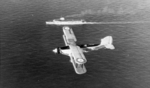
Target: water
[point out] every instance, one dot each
(26, 44)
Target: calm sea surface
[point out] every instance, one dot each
(27, 60)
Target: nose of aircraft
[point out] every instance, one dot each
(55, 50)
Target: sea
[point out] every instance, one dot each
(26, 44)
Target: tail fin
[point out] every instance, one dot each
(107, 42)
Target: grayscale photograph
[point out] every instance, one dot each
(74, 43)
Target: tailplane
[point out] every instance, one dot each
(107, 42)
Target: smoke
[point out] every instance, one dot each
(133, 22)
(115, 7)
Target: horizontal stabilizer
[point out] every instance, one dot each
(107, 42)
